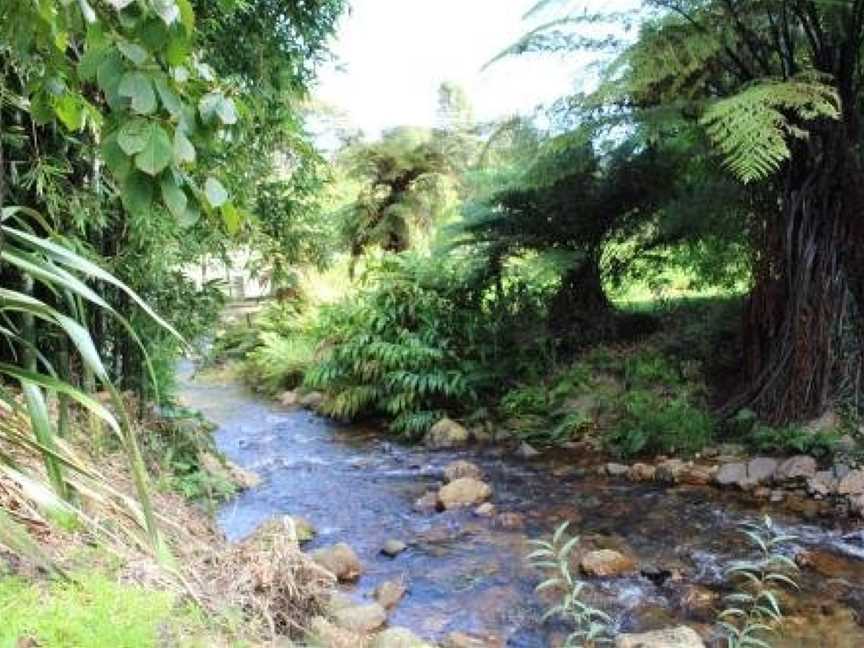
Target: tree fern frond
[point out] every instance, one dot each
(752, 129)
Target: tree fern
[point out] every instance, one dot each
(753, 128)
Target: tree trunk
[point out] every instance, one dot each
(581, 312)
(802, 326)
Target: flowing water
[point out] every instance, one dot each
(469, 574)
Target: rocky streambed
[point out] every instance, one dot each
(426, 543)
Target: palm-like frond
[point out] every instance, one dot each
(753, 128)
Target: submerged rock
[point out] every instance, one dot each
(446, 433)
(340, 560)
(607, 562)
(459, 469)
(361, 619)
(426, 504)
(510, 521)
(681, 637)
(389, 593)
(485, 510)
(463, 492)
(393, 548)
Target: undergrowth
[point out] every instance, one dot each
(93, 611)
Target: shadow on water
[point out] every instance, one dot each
(469, 574)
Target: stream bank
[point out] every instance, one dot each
(468, 574)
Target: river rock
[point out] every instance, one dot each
(361, 619)
(312, 400)
(799, 468)
(389, 593)
(731, 474)
(485, 510)
(510, 521)
(697, 475)
(463, 492)
(458, 469)
(856, 505)
(446, 433)
(324, 634)
(760, 470)
(398, 638)
(607, 562)
(426, 504)
(640, 472)
(681, 637)
(699, 602)
(670, 471)
(822, 484)
(340, 560)
(393, 548)
(527, 451)
(279, 527)
(852, 484)
(616, 469)
(289, 399)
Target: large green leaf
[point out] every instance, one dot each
(184, 151)
(133, 135)
(61, 387)
(157, 152)
(174, 197)
(138, 87)
(170, 100)
(215, 192)
(215, 105)
(137, 195)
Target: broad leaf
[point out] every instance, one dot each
(174, 197)
(157, 152)
(139, 88)
(215, 192)
(133, 136)
(184, 151)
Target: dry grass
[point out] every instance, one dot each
(266, 580)
(272, 581)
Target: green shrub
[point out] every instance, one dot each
(279, 363)
(652, 424)
(424, 337)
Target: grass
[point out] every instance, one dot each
(94, 610)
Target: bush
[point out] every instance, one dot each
(425, 337)
(279, 363)
(652, 424)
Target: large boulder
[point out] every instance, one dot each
(459, 469)
(340, 560)
(640, 472)
(228, 471)
(398, 638)
(463, 492)
(731, 474)
(446, 433)
(681, 637)
(852, 484)
(798, 468)
(616, 469)
(361, 619)
(607, 562)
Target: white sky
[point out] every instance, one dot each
(396, 53)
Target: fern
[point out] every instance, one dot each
(752, 129)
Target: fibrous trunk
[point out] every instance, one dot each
(802, 325)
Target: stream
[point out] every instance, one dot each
(469, 574)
